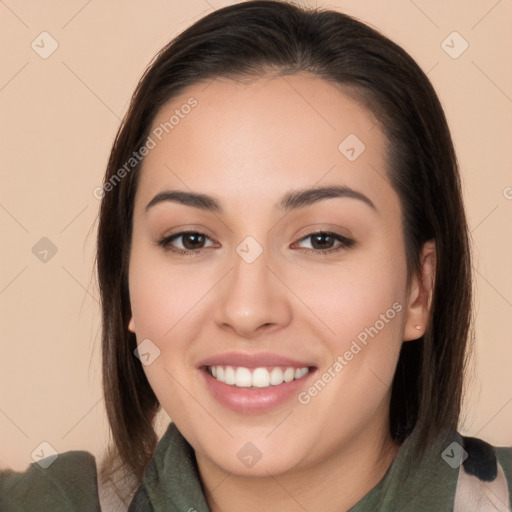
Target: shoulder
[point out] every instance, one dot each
(65, 483)
(485, 477)
(504, 455)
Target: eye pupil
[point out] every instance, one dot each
(319, 237)
(197, 240)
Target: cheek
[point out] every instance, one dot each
(351, 300)
(165, 305)
(170, 303)
(164, 296)
(364, 310)
(362, 307)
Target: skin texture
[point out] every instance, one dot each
(247, 143)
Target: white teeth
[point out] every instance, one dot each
(243, 377)
(289, 375)
(257, 377)
(300, 372)
(276, 376)
(261, 378)
(229, 375)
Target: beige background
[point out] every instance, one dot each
(58, 119)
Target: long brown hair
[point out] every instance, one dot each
(252, 39)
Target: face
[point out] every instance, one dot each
(280, 313)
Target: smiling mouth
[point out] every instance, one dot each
(262, 377)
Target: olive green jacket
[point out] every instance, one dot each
(437, 483)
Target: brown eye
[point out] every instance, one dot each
(325, 242)
(322, 241)
(191, 241)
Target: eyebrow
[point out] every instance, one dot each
(290, 201)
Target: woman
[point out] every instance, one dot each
(284, 268)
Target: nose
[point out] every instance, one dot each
(252, 299)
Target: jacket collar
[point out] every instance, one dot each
(171, 480)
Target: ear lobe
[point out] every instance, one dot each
(420, 296)
(131, 325)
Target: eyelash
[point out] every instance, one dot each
(345, 243)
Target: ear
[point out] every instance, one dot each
(420, 294)
(131, 324)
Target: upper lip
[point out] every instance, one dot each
(252, 360)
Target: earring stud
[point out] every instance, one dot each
(418, 327)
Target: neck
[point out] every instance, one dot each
(334, 484)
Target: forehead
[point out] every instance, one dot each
(252, 140)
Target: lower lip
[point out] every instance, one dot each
(254, 400)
